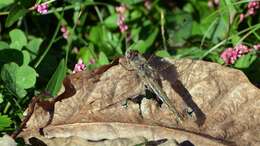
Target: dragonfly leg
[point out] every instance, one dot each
(138, 99)
(149, 94)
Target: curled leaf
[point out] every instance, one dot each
(220, 104)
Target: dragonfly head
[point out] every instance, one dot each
(132, 55)
(135, 58)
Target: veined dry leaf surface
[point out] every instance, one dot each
(221, 107)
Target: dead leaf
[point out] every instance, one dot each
(223, 108)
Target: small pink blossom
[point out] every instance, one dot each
(253, 4)
(42, 8)
(251, 11)
(230, 55)
(216, 2)
(256, 47)
(121, 9)
(80, 66)
(241, 49)
(252, 7)
(147, 4)
(213, 3)
(241, 17)
(92, 61)
(65, 32)
(121, 18)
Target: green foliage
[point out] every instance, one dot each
(245, 61)
(16, 12)
(18, 78)
(5, 122)
(33, 46)
(179, 28)
(110, 21)
(102, 59)
(55, 82)
(162, 53)
(18, 39)
(3, 45)
(4, 3)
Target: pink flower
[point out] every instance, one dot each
(92, 61)
(241, 49)
(252, 7)
(65, 32)
(147, 4)
(121, 9)
(121, 18)
(241, 17)
(230, 55)
(213, 3)
(256, 47)
(80, 66)
(253, 4)
(42, 8)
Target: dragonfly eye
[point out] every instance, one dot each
(131, 55)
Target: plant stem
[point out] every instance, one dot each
(6, 107)
(99, 14)
(49, 46)
(163, 30)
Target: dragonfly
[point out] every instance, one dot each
(148, 75)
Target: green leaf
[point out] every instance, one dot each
(26, 57)
(135, 33)
(204, 20)
(193, 52)
(137, 46)
(215, 57)
(143, 45)
(5, 122)
(55, 83)
(245, 61)
(15, 14)
(18, 39)
(3, 45)
(220, 30)
(9, 77)
(18, 78)
(102, 37)
(102, 59)
(96, 34)
(136, 14)
(26, 77)
(162, 53)
(111, 21)
(87, 53)
(34, 45)
(4, 3)
(179, 28)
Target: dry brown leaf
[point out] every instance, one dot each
(226, 108)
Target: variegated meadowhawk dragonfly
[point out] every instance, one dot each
(148, 75)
